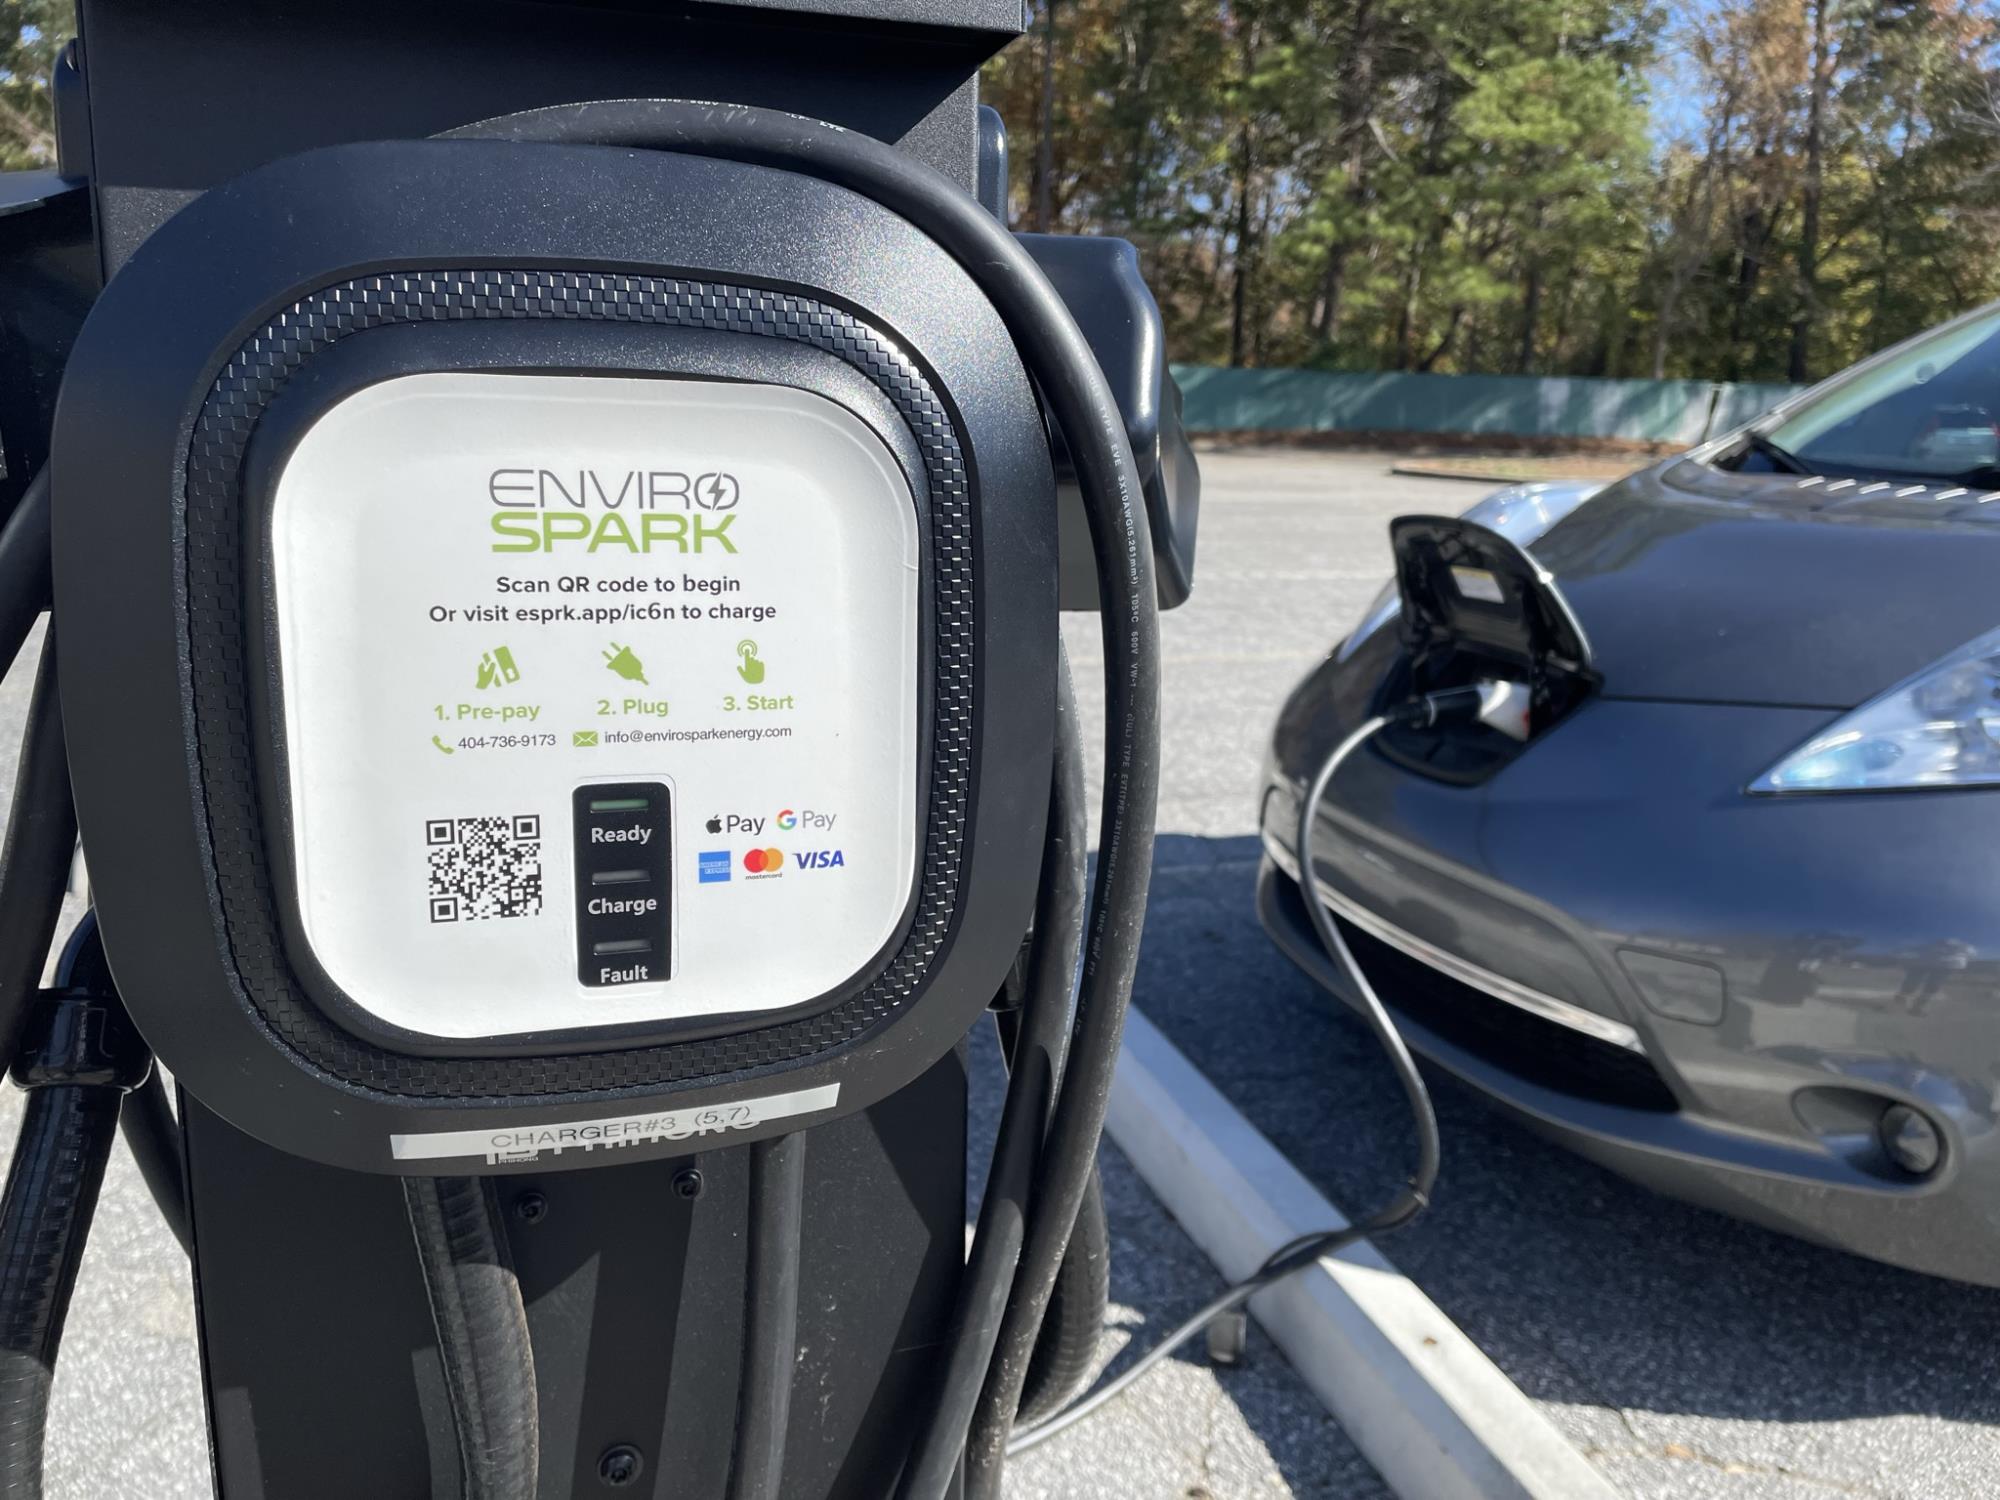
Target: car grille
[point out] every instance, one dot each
(1525, 1045)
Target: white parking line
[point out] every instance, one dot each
(1434, 1415)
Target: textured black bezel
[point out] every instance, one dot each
(222, 511)
(500, 345)
(238, 295)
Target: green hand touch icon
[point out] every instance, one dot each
(752, 670)
(621, 660)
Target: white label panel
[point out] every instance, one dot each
(492, 590)
(608, 1133)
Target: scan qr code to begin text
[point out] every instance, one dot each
(484, 867)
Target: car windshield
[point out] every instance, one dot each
(1927, 411)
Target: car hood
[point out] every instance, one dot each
(1700, 585)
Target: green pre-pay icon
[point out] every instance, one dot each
(496, 668)
(621, 660)
(751, 670)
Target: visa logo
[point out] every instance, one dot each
(821, 859)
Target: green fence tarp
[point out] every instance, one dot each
(1659, 411)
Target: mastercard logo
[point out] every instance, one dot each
(764, 861)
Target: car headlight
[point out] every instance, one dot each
(1939, 728)
(1522, 513)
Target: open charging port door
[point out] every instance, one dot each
(1475, 605)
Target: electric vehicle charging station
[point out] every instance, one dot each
(555, 669)
(555, 594)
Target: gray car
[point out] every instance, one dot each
(1730, 925)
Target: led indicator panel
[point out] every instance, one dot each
(623, 842)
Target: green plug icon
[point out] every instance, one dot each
(621, 660)
(752, 670)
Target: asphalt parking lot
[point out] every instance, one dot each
(1686, 1354)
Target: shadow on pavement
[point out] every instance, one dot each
(1287, 1444)
(1585, 1289)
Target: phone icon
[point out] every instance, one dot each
(442, 745)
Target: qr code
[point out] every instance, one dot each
(484, 867)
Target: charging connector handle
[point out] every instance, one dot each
(1433, 708)
(1496, 702)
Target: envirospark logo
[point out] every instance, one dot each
(630, 510)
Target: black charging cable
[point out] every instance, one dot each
(27, 585)
(482, 1327)
(36, 856)
(40, 843)
(1415, 1195)
(73, 1050)
(1035, 1063)
(146, 1121)
(770, 1318)
(1065, 1349)
(1066, 373)
(79, 1057)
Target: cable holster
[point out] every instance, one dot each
(80, 1037)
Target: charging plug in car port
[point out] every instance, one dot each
(1477, 608)
(1885, 1138)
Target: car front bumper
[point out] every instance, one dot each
(1713, 994)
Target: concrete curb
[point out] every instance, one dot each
(1421, 470)
(1435, 1416)
(1427, 471)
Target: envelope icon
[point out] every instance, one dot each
(584, 739)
